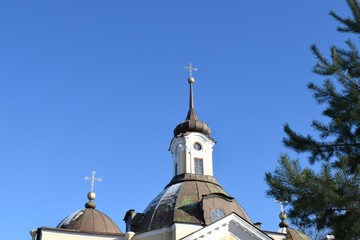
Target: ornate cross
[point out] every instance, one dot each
(93, 179)
(281, 204)
(190, 68)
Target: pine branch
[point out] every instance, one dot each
(350, 24)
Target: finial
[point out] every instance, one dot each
(191, 69)
(91, 195)
(93, 179)
(282, 215)
(191, 80)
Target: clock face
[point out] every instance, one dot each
(216, 214)
(197, 146)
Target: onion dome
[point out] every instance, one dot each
(192, 123)
(192, 199)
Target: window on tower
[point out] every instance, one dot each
(197, 146)
(199, 168)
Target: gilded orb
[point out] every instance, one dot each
(191, 80)
(282, 216)
(91, 195)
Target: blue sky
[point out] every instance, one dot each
(100, 85)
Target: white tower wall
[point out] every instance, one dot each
(188, 149)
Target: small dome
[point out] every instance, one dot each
(293, 234)
(189, 198)
(89, 220)
(192, 124)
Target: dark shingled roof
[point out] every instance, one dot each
(188, 198)
(89, 220)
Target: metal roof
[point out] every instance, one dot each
(188, 198)
(89, 220)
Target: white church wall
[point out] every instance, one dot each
(176, 231)
(56, 234)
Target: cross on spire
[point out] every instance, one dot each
(281, 204)
(93, 179)
(190, 68)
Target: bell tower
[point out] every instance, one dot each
(192, 145)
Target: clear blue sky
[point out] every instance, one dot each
(100, 85)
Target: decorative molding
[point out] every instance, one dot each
(232, 225)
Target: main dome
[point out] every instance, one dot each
(189, 198)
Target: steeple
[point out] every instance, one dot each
(192, 123)
(193, 198)
(192, 145)
(191, 113)
(191, 80)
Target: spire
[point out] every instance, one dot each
(91, 195)
(191, 80)
(192, 122)
(191, 114)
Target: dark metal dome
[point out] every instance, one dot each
(192, 124)
(89, 220)
(188, 198)
(293, 234)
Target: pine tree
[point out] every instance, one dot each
(329, 198)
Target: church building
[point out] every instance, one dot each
(192, 206)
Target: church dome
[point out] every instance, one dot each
(293, 234)
(89, 220)
(191, 199)
(192, 124)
